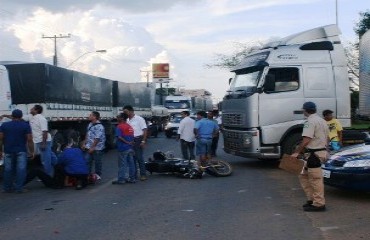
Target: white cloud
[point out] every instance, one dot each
(186, 33)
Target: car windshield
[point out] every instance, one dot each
(179, 104)
(176, 119)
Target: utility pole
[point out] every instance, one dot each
(146, 75)
(55, 58)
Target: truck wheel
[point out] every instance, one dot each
(291, 143)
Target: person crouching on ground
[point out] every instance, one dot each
(125, 142)
(71, 163)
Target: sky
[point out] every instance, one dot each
(187, 34)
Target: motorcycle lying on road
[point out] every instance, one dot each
(167, 163)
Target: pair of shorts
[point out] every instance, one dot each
(203, 146)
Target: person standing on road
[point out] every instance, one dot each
(314, 145)
(215, 139)
(41, 137)
(15, 135)
(204, 131)
(140, 134)
(186, 136)
(125, 142)
(94, 143)
(335, 130)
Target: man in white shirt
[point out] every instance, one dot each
(140, 134)
(41, 137)
(186, 136)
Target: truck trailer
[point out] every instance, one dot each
(69, 96)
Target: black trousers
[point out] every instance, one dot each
(58, 180)
(214, 145)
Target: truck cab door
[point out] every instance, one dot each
(280, 101)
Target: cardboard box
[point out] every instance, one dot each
(291, 164)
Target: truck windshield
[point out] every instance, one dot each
(177, 104)
(245, 79)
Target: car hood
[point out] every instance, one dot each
(173, 125)
(350, 153)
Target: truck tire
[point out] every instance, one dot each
(291, 143)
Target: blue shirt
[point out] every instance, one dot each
(95, 131)
(73, 161)
(206, 128)
(15, 136)
(125, 131)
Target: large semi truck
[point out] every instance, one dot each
(69, 96)
(261, 112)
(364, 101)
(178, 103)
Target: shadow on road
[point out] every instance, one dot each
(253, 163)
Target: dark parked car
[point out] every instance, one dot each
(349, 168)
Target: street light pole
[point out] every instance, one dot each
(97, 51)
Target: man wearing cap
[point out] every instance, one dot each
(15, 135)
(314, 145)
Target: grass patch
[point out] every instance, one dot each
(360, 124)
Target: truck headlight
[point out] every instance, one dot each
(247, 140)
(357, 164)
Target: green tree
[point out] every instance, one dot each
(165, 91)
(364, 24)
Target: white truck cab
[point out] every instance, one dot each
(177, 104)
(262, 115)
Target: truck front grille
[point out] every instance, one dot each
(232, 140)
(232, 119)
(233, 145)
(232, 135)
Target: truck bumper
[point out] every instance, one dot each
(247, 144)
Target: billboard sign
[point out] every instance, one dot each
(161, 70)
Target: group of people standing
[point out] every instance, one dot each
(26, 137)
(201, 134)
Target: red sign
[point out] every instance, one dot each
(161, 70)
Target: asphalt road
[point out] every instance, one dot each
(258, 201)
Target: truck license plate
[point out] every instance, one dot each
(326, 173)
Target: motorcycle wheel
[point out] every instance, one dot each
(219, 168)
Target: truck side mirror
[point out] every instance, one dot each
(269, 85)
(230, 79)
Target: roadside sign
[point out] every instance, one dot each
(161, 70)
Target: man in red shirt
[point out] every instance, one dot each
(125, 142)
